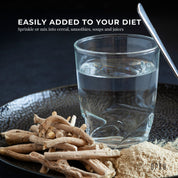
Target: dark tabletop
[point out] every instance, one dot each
(35, 61)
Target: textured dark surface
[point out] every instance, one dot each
(64, 100)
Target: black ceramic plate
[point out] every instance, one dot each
(64, 100)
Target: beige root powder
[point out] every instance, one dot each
(146, 160)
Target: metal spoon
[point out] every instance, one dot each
(154, 34)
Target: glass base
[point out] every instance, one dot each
(117, 142)
(116, 134)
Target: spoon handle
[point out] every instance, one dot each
(154, 34)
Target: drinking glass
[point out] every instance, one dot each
(117, 77)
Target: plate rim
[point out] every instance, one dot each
(45, 90)
(167, 85)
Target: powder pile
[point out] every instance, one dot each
(173, 146)
(146, 160)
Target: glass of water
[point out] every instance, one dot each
(117, 77)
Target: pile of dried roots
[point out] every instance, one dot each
(55, 140)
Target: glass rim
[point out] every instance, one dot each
(86, 51)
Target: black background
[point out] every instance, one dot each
(35, 61)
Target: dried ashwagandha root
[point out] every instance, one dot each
(37, 140)
(16, 136)
(37, 119)
(45, 169)
(58, 140)
(15, 155)
(80, 155)
(63, 167)
(66, 147)
(76, 131)
(83, 127)
(70, 140)
(73, 120)
(23, 148)
(98, 167)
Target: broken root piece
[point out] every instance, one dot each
(24, 148)
(71, 140)
(73, 120)
(34, 128)
(99, 167)
(16, 136)
(18, 156)
(37, 119)
(44, 169)
(66, 146)
(37, 140)
(83, 127)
